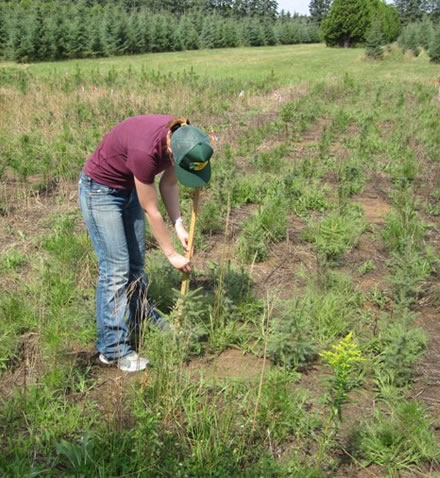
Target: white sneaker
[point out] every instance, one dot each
(130, 363)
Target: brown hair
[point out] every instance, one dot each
(176, 123)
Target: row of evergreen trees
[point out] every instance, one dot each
(423, 34)
(224, 8)
(411, 11)
(54, 31)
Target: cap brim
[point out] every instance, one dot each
(195, 179)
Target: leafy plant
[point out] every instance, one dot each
(12, 260)
(247, 189)
(366, 267)
(290, 342)
(267, 226)
(300, 114)
(403, 226)
(271, 161)
(336, 233)
(351, 181)
(400, 349)
(164, 279)
(344, 360)
(283, 410)
(378, 297)
(304, 195)
(210, 219)
(77, 457)
(401, 439)
(410, 269)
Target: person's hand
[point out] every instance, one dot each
(182, 235)
(180, 262)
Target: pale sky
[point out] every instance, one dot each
(299, 6)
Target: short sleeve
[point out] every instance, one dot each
(141, 165)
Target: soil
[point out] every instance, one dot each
(375, 209)
(230, 364)
(26, 369)
(427, 385)
(281, 274)
(25, 217)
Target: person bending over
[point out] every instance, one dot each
(116, 188)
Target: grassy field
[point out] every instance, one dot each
(309, 342)
(307, 63)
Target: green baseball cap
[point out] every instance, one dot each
(192, 152)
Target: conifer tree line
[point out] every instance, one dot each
(424, 34)
(38, 30)
(416, 10)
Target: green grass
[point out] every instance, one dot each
(293, 64)
(286, 258)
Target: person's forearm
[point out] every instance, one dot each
(170, 197)
(160, 233)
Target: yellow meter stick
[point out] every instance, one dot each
(192, 229)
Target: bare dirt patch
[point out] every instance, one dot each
(221, 248)
(313, 133)
(352, 471)
(282, 274)
(29, 211)
(230, 364)
(369, 248)
(375, 209)
(26, 369)
(111, 391)
(427, 386)
(107, 387)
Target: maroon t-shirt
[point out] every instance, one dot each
(134, 148)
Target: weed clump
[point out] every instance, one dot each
(305, 325)
(304, 195)
(404, 234)
(399, 438)
(271, 161)
(299, 115)
(247, 189)
(336, 233)
(266, 227)
(278, 399)
(290, 343)
(398, 350)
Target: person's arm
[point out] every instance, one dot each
(170, 196)
(148, 199)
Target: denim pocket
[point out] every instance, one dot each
(97, 189)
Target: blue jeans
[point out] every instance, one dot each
(116, 224)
